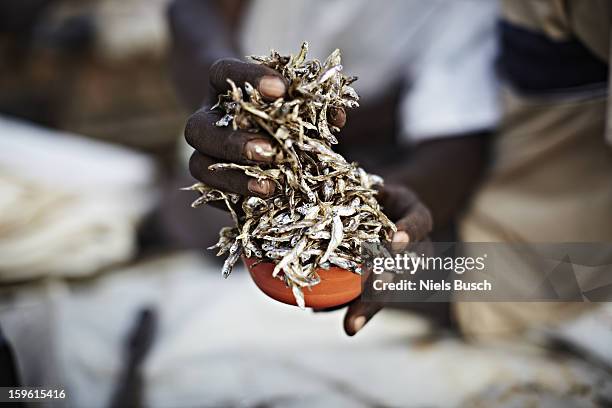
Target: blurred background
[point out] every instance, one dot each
(95, 68)
(103, 295)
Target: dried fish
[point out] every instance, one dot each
(324, 207)
(337, 233)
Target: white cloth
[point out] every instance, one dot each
(68, 206)
(443, 49)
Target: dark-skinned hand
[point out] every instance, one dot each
(215, 144)
(413, 221)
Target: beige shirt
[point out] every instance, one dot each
(589, 21)
(551, 177)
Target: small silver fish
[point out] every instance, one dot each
(324, 208)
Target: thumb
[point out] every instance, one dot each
(359, 314)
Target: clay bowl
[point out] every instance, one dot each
(337, 287)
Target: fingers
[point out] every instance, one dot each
(358, 315)
(417, 224)
(337, 117)
(400, 240)
(412, 218)
(225, 143)
(215, 144)
(234, 181)
(267, 81)
(270, 84)
(396, 200)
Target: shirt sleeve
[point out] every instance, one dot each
(453, 82)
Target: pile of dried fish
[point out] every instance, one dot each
(324, 207)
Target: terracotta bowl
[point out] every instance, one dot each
(337, 287)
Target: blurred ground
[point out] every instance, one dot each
(223, 343)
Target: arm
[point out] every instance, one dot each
(450, 107)
(443, 172)
(202, 32)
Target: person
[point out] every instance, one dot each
(550, 177)
(427, 86)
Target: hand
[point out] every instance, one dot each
(215, 144)
(414, 223)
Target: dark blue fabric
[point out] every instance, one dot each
(532, 62)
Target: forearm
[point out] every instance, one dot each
(443, 173)
(202, 31)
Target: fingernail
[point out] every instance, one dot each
(400, 240)
(337, 117)
(358, 323)
(263, 187)
(259, 150)
(401, 236)
(271, 87)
